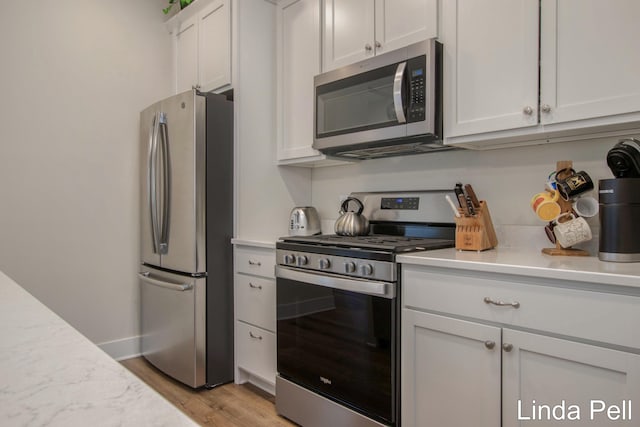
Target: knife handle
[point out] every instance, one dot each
(472, 195)
(463, 204)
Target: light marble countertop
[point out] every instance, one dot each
(529, 261)
(51, 375)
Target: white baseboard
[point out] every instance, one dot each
(125, 348)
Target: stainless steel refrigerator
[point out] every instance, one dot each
(186, 219)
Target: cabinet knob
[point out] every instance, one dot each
(252, 286)
(378, 44)
(255, 263)
(545, 108)
(528, 110)
(257, 337)
(490, 344)
(368, 47)
(507, 347)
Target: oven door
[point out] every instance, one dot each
(338, 337)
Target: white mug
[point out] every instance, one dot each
(571, 232)
(585, 206)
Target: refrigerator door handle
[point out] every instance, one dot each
(173, 286)
(166, 185)
(152, 191)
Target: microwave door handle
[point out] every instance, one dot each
(397, 92)
(152, 194)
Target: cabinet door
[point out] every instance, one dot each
(298, 61)
(490, 65)
(214, 46)
(402, 22)
(450, 372)
(348, 32)
(589, 59)
(187, 55)
(539, 370)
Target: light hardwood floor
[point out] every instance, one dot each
(229, 405)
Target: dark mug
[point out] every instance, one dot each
(574, 185)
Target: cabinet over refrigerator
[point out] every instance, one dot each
(186, 225)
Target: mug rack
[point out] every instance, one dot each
(563, 170)
(475, 233)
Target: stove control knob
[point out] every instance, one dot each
(324, 263)
(290, 259)
(301, 260)
(366, 269)
(350, 267)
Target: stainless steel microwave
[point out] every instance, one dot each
(387, 105)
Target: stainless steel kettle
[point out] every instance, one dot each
(351, 223)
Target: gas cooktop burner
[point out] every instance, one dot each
(375, 241)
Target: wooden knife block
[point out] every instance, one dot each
(476, 233)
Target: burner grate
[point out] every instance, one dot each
(379, 242)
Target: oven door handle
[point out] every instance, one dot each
(369, 287)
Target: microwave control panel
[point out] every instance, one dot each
(417, 91)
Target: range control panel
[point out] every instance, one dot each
(406, 203)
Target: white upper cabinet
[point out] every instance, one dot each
(358, 29)
(524, 71)
(400, 23)
(490, 65)
(214, 47)
(202, 42)
(186, 39)
(589, 59)
(299, 58)
(298, 63)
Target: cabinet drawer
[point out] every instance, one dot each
(256, 301)
(256, 349)
(581, 313)
(257, 261)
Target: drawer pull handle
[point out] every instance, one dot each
(507, 347)
(252, 286)
(490, 344)
(257, 337)
(514, 304)
(256, 263)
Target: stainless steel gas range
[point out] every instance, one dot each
(338, 311)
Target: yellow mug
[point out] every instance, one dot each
(545, 205)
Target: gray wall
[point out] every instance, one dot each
(75, 75)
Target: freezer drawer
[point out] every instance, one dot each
(173, 323)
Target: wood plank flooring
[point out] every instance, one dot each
(230, 405)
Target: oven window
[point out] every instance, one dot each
(339, 344)
(361, 102)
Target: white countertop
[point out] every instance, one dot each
(529, 261)
(51, 375)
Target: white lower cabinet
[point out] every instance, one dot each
(255, 314)
(256, 351)
(479, 368)
(449, 376)
(575, 381)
